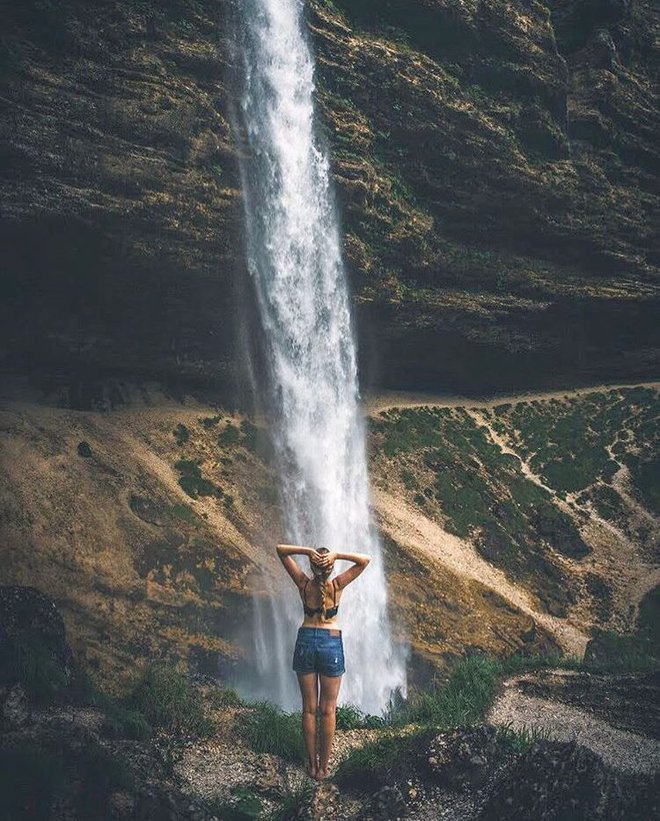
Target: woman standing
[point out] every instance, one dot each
(318, 657)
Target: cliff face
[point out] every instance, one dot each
(121, 201)
(495, 165)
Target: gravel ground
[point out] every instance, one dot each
(621, 749)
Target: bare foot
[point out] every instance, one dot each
(322, 774)
(312, 770)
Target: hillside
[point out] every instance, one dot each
(148, 524)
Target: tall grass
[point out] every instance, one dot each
(270, 730)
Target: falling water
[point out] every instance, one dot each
(294, 257)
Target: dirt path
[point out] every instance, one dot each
(386, 400)
(414, 531)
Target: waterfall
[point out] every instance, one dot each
(295, 262)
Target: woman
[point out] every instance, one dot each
(318, 658)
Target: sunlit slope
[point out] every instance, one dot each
(557, 497)
(511, 526)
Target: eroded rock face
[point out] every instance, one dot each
(495, 166)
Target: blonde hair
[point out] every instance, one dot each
(321, 579)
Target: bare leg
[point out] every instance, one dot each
(309, 685)
(329, 692)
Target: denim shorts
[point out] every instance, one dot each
(318, 651)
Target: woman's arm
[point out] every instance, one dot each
(295, 550)
(360, 562)
(286, 551)
(356, 558)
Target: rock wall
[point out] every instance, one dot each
(495, 164)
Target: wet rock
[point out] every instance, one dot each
(387, 804)
(14, 708)
(463, 758)
(555, 780)
(26, 612)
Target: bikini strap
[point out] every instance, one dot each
(334, 592)
(304, 592)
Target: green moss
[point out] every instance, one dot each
(185, 513)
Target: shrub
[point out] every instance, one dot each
(124, 722)
(229, 436)
(192, 481)
(470, 690)
(168, 700)
(224, 697)
(181, 434)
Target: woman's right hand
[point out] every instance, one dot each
(316, 558)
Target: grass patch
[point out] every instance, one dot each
(350, 718)
(221, 697)
(270, 730)
(469, 691)
(519, 740)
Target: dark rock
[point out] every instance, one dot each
(387, 804)
(84, 449)
(464, 758)
(14, 708)
(26, 609)
(565, 782)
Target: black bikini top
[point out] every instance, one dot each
(313, 611)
